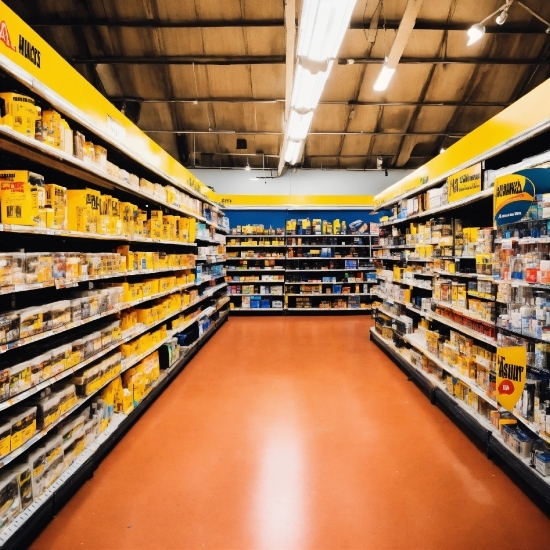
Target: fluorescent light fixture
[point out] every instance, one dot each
(292, 152)
(383, 79)
(298, 125)
(308, 88)
(475, 32)
(322, 28)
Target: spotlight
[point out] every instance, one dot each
(475, 32)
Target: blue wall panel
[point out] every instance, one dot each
(277, 218)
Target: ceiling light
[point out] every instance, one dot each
(308, 88)
(298, 125)
(475, 32)
(292, 152)
(322, 28)
(247, 167)
(501, 18)
(384, 78)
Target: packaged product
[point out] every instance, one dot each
(79, 141)
(59, 265)
(89, 203)
(47, 410)
(9, 327)
(5, 270)
(67, 397)
(46, 317)
(23, 424)
(85, 311)
(20, 377)
(38, 267)
(73, 262)
(55, 132)
(95, 338)
(31, 321)
(68, 428)
(21, 195)
(41, 368)
(36, 460)
(24, 481)
(56, 199)
(60, 313)
(54, 462)
(76, 310)
(79, 348)
(18, 112)
(10, 504)
(5, 437)
(18, 268)
(59, 357)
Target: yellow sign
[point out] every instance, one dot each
(359, 201)
(464, 183)
(530, 111)
(513, 195)
(511, 375)
(26, 49)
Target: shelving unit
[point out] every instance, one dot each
(302, 273)
(254, 252)
(179, 294)
(454, 303)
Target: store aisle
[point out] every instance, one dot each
(296, 433)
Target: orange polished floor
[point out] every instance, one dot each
(296, 433)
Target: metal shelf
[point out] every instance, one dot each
(256, 282)
(259, 294)
(315, 258)
(328, 270)
(321, 295)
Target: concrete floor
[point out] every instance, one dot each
(296, 433)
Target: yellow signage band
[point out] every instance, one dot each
(525, 118)
(283, 201)
(33, 62)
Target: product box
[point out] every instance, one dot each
(83, 210)
(22, 195)
(18, 112)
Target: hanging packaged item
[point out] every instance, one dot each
(22, 195)
(18, 112)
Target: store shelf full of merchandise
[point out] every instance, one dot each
(285, 282)
(443, 317)
(110, 324)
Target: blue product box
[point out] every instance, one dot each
(337, 289)
(265, 304)
(254, 304)
(371, 276)
(351, 264)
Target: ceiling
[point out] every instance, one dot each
(215, 70)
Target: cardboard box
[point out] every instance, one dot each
(22, 195)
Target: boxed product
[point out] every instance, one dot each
(56, 199)
(21, 195)
(18, 112)
(10, 504)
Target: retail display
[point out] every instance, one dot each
(325, 266)
(111, 285)
(453, 291)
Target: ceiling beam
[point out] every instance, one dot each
(351, 102)
(257, 133)
(156, 24)
(182, 60)
(448, 61)
(424, 25)
(280, 59)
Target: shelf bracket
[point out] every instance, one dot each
(433, 396)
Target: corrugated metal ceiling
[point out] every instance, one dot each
(215, 70)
